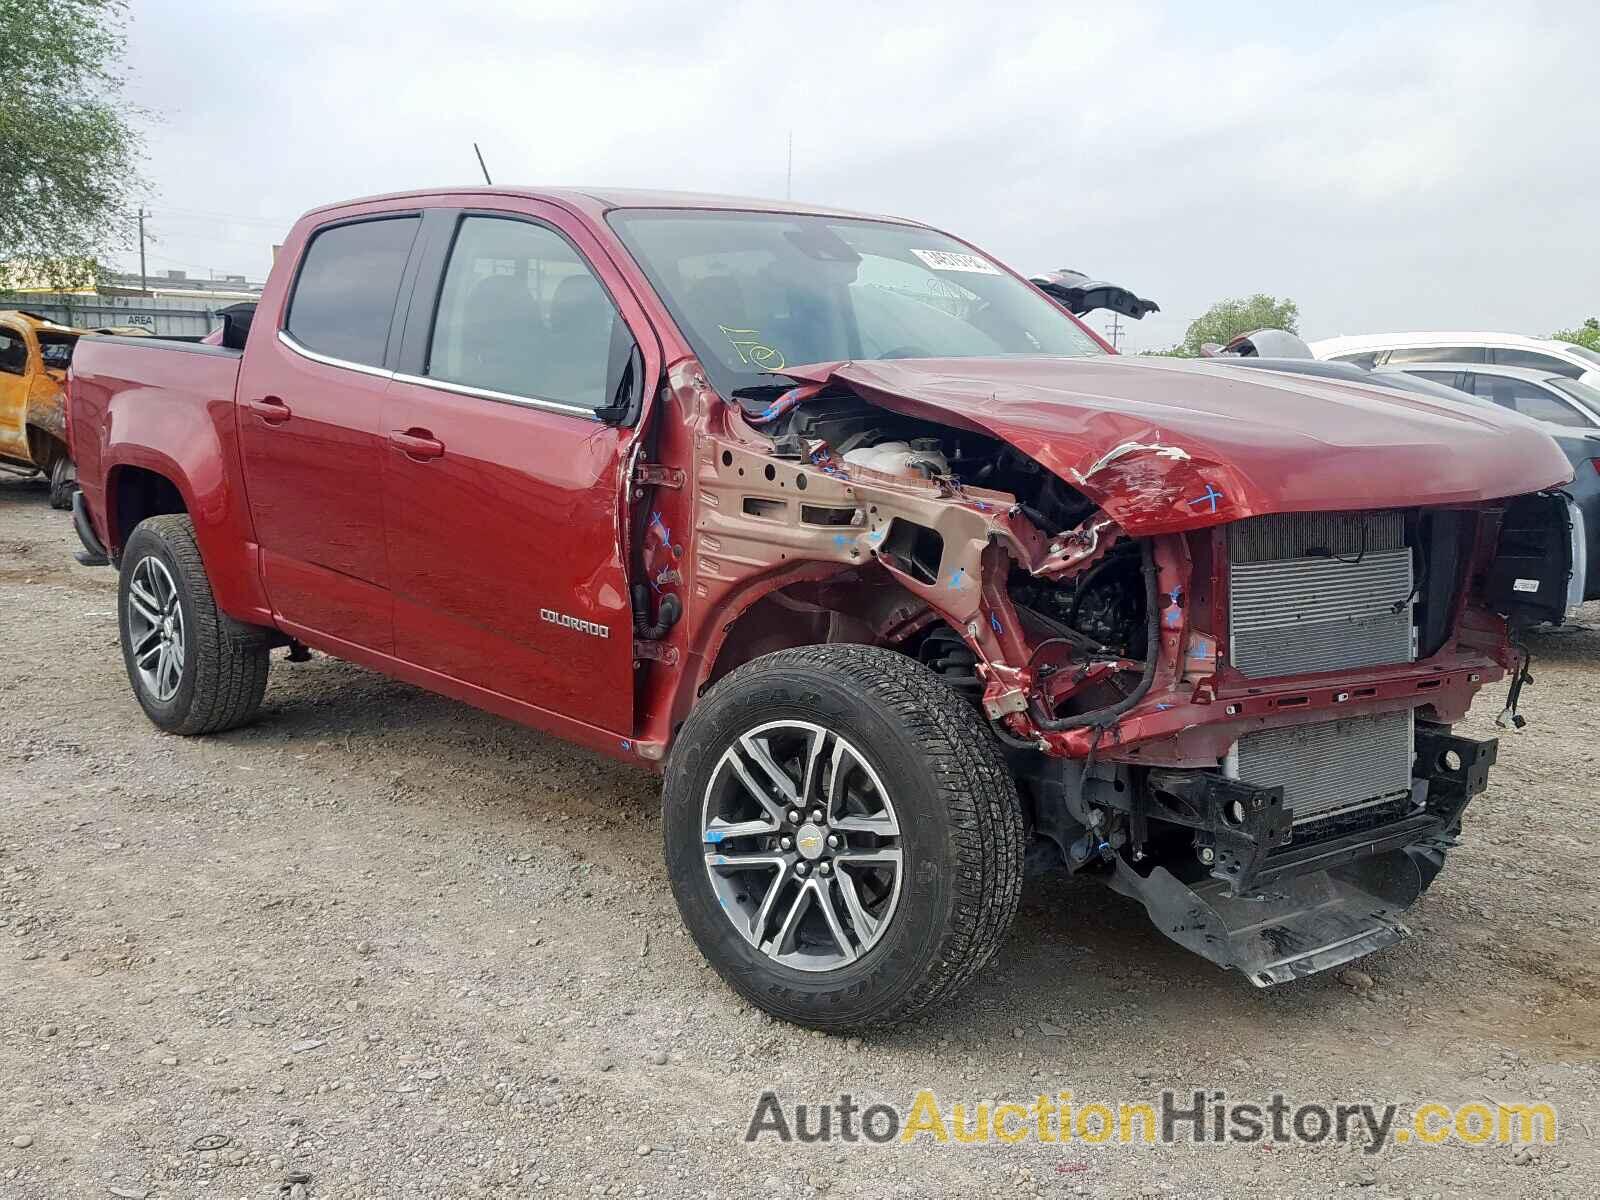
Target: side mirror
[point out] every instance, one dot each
(624, 377)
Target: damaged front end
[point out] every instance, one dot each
(1225, 674)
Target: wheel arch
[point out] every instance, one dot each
(810, 605)
(143, 482)
(45, 445)
(134, 493)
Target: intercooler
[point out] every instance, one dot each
(1331, 767)
(1319, 592)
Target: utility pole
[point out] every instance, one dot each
(144, 284)
(788, 177)
(1114, 331)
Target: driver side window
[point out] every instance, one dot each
(520, 313)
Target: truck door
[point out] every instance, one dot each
(502, 475)
(13, 392)
(311, 430)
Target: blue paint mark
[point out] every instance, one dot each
(1172, 618)
(626, 744)
(875, 536)
(1211, 497)
(994, 623)
(955, 580)
(839, 539)
(658, 523)
(1163, 707)
(714, 836)
(779, 406)
(1176, 595)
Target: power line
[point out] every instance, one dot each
(1114, 332)
(282, 223)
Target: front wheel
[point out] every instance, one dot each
(193, 669)
(842, 835)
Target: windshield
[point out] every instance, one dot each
(1588, 397)
(757, 292)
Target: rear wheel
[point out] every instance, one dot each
(193, 669)
(842, 835)
(63, 481)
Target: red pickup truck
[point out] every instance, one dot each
(900, 577)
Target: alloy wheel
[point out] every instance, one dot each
(155, 628)
(802, 845)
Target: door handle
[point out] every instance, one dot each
(270, 409)
(417, 444)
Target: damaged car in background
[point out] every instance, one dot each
(34, 354)
(900, 577)
(1080, 295)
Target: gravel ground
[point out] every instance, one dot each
(415, 951)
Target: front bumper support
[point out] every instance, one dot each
(1277, 910)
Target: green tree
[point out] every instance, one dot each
(1588, 334)
(1227, 319)
(69, 155)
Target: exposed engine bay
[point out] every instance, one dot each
(1242, 721)
(1100, 610)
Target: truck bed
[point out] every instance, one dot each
(153, 386)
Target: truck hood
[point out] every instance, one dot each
(1167, 444)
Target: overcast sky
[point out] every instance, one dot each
(1387, 166)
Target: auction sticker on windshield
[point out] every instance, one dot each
(948, 260)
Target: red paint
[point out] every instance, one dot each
(460, 543)
(1278, 443)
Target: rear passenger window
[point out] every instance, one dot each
(521, 313)
(13, 354)
(349, 281)
(1538, 362)
(1439, 354)
(1529, 399)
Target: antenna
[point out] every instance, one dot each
(481, 167)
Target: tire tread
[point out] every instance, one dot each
(971, 780)
(231, 660)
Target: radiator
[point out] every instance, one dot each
(1319, 592)
(1332, 767)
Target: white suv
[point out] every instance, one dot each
(1495, 349)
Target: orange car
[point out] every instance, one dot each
(34, 353)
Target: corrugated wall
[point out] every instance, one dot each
(168, 317)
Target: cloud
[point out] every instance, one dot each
(1386, 166)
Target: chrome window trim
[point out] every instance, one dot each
(329, 360)
(462, 389)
